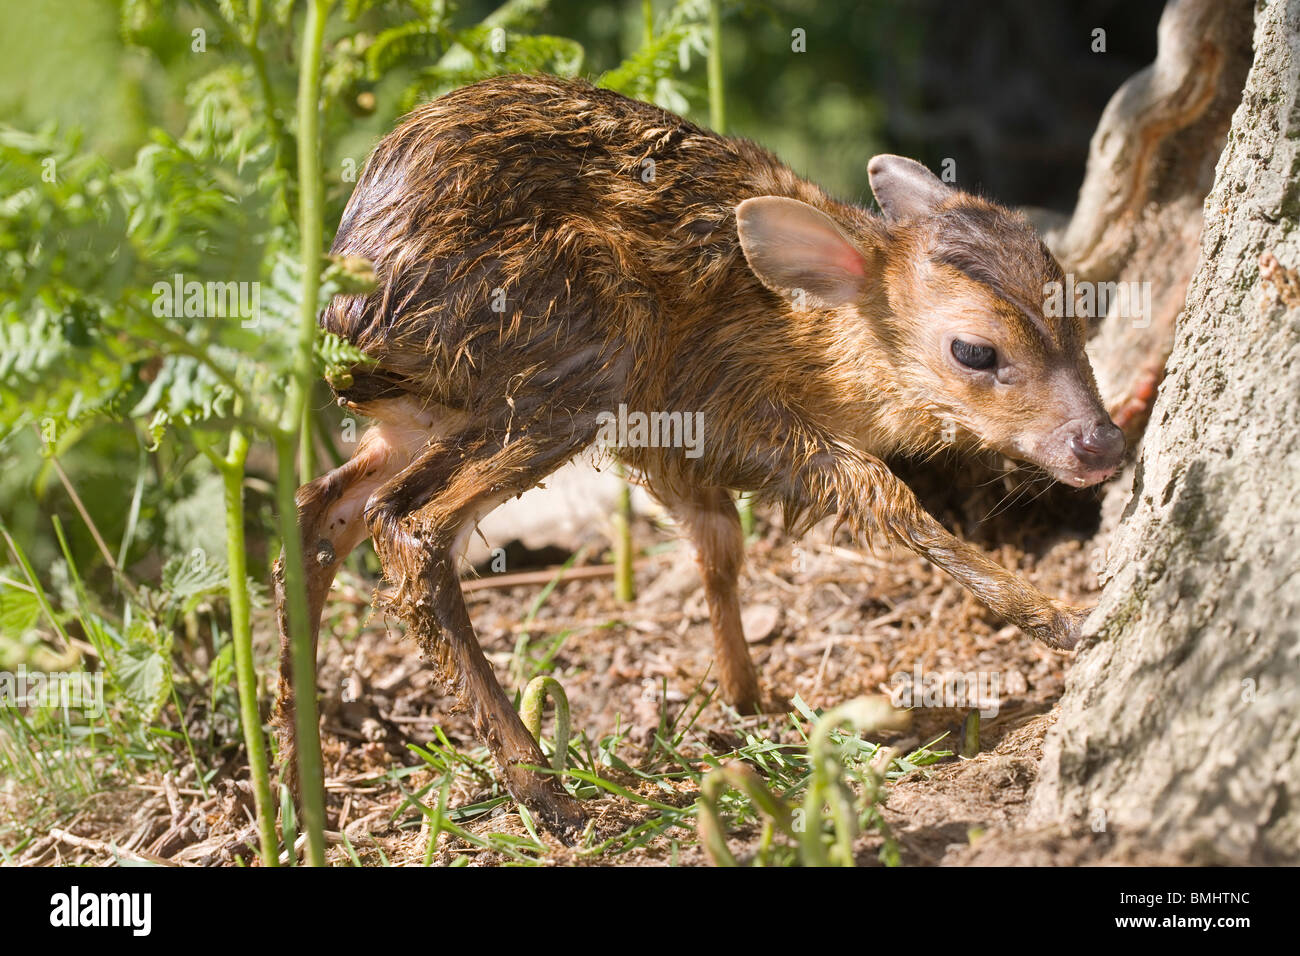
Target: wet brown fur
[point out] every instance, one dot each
(620, 288)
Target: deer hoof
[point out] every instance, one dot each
(1067, 627)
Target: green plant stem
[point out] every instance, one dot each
(648, 20)
(241, 634)
(275, 124)
(303, 654)
(970, 735)
(326, 439)
(717, 99)
(306, 449)
(199, 775)
(287, 441)
(530, 711)
(826, 786)
(738, 776)
(250, 40)
(310, 226)
(624, 571)
(745, 508)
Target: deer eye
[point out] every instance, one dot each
(974, 356)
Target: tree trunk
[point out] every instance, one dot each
(1180, 724)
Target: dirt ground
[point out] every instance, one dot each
(826, 620)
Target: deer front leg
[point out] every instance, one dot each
(872, 500)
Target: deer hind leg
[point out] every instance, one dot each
(709, 519)
(331, 519)
(420, 522)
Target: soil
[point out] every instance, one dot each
(827, 621)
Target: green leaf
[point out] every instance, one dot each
(221, 674)
(19, 610)
(650, 73)
(190, 578)
(416, 39)
(143, 676)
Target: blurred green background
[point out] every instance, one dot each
(1010, 89)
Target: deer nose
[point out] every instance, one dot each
(1099, 448)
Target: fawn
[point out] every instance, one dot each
(547, 252)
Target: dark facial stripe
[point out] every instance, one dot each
(1005, 254)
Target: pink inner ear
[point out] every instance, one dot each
(833, 251)
(849, 259)
(828, 249)
(791, 245)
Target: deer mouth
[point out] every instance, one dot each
(1081, 453)
(1069, 469)
(1081, 477)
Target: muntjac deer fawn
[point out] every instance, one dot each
(547, 252)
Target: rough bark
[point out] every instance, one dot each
(1180, 724)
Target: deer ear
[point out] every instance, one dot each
(798, 251)
(904, 188)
